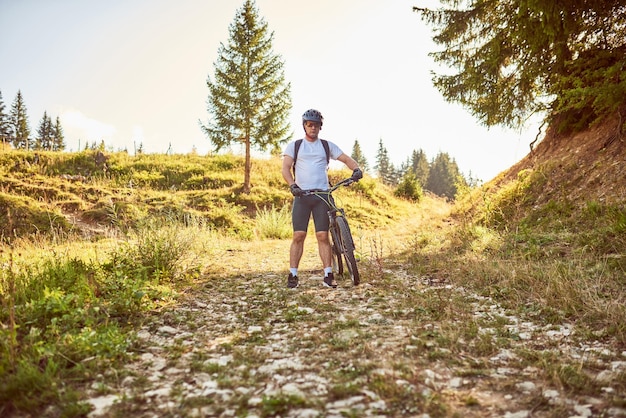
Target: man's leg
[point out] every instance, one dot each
(323, 245)
(296, 249)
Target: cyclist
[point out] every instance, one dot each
(310, 172)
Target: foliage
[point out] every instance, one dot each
(5, 123)
(384, 167)
(409, 188)
(358, 156)
(49, 136)
(420, 167)
(24, 215)
(274, 223)
(98, 193)
(517, 57)
(68, 318)
(444, 176)
(249, 100)
(20, 130)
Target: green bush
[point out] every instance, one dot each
(409, 188)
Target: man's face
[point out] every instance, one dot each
(312, 129)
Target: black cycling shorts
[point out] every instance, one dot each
(303, 207)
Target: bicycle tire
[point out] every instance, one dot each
(335, 247)
(347, 248)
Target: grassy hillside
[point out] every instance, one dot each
(90, 191)
(549, 234)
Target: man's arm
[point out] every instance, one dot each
(287, 173)
(348, 161)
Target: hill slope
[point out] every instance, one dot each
(589, 165)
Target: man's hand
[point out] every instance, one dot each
(357, 174)
(295, 190)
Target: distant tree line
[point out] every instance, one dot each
(15, 129)
(440, 176)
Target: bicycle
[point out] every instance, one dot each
(341, 242)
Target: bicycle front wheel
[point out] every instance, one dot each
(335, 246)
(347, 248)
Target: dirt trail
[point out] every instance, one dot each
(242, 344)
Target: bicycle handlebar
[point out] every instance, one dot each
(344, 182)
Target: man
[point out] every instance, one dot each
(311, 172)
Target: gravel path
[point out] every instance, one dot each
(242, 344)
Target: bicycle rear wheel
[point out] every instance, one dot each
(347, 249)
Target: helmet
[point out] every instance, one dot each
(313, 116)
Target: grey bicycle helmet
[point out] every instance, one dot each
(313, 116)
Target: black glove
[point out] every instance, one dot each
(295, 190)
(357, 174)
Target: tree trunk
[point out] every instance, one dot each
(248, 168)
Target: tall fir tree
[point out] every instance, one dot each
(20, 131)
(45, 134)
(249, 100)
(513, 58)
(58, 142)
(5, 123)
(384, 168)
(359, 157)
(420, 166)
(444, 176)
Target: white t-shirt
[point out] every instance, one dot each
(311, 167)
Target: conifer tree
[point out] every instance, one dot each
(20, 131)
(420, 166)
(58, 142)
(5, 122)
(359, 157)
(384, 168)
(512, 58)
(249, 100)
(444, 176)
(45, 134)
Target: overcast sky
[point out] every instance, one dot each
(134, 71)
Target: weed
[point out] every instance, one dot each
(279, 405)
(273, 223)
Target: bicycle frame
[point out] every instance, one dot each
(341, 241)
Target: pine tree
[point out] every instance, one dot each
(45, 134)
(513, 58)
(5, 123)
(444, 176)
(384, 168)
(420, 166)
(249, 101)
(359, 157)
(20, 131)
(58, 142)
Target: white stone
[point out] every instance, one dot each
(519, 414)
(165, 329)
(526, 387)
(101, 404)
(550, 393)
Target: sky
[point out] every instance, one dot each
(133, 72)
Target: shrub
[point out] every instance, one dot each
(409, 188)
(272, 223)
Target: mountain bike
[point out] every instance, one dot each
(341, 241)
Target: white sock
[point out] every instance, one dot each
(327, 270)
(293, 271)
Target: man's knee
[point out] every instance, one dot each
(322, 236)
(299, 236)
